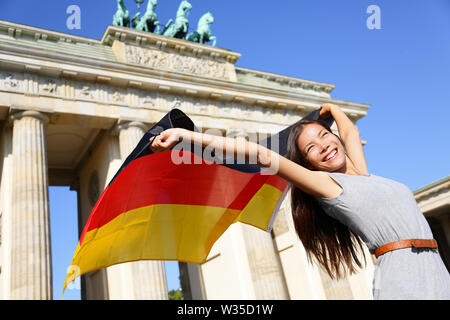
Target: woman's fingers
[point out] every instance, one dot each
(165, 140)
(325, 110)
(155, 146)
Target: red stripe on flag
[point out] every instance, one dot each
(156, 179)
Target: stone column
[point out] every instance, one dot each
(267, 274)
(265, 267)
(130, 133)
(148, 277)
(30, 244)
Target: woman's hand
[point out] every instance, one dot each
(167, 139)
(325, 110)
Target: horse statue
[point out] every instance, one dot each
(135, 20)
(203, 32)
(178, 29)
(149, 21)
(122, 16)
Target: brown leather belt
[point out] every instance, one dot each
(416, 243)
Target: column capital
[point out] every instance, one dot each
(125, 124)
(29, 113)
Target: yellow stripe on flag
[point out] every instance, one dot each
(167, 232)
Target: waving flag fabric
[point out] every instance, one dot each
(154, 209)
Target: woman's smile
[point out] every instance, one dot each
(331, 155)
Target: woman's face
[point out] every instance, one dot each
(322, 149)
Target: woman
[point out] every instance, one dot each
(336, 203)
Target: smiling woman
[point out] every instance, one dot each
(384, 67)
(313, 145)
(336, 207)
(379, 211)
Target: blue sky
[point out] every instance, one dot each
(402, 70)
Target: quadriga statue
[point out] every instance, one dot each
(203, 32)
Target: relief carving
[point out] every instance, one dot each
(147, 98)
(71, 89)
(175, 62)
(10, 82)
(117, 97)
(86, 92)
(50, 87)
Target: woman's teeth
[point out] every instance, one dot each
(331, 156)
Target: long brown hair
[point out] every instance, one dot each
(332, 243)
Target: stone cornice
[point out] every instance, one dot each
(135, 37)
(35, 63)
(83, 68)
(432, 189)
(295, 82)
(151, 40)
(119, 74)
(16, 30)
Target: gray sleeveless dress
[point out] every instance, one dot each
(380, 211)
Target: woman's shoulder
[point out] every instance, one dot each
(353, 183)
(353, 176)
(349, 174)
(349, 183)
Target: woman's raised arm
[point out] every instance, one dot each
(313, 182)
(349, 135)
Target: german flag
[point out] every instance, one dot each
(155, 209)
